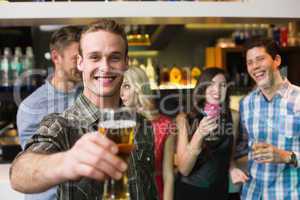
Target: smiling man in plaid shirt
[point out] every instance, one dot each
(270, 128)
(67, 151)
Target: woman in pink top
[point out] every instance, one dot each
(136, 92)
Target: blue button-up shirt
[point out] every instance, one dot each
(276, 122)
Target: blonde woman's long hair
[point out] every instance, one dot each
(139, 81)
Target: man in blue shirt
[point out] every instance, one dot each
(270, 121)
(56, 94)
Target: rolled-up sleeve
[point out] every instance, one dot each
(50, 137)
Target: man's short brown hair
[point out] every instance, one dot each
(106, 25)
(269, 44)
(63, 37)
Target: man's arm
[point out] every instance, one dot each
(32, 172)
(92, 156)
(239, 158)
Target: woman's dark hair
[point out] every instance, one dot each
(203, 82)
(199, 95)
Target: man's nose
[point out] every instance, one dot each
(104, 65)
(256, 64)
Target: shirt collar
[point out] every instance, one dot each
(282, 90)
(78, 86)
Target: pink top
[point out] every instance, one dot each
(162, 128)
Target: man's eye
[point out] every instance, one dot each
(94, 57)
(260, 59)
(116, 58)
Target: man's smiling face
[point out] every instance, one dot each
(103, 62)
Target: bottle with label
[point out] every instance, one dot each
(143, 66)
(185, 76)
(16, 66)
(150, 71)
(276, 34)
(29, 59)
(28, 64)
(164, 75)
(283, 36)
(6, 67)
(135, 62)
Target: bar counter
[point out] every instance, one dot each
(6, 192)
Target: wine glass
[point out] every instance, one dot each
(214, 111)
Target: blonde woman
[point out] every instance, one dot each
(136, 93)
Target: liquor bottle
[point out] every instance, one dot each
(134, 62)
(29, 59)
(28, 65)
(150, 71)
(6, 67)
(143, 67)
(164, 75)
(185, 76)
(16, 66)
(283, 36)
(276, 34)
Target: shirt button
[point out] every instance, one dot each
(148, 159)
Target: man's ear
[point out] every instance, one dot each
(79, 63)
(55, 56)
(126, 62)
(277, 60)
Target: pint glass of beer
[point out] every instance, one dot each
(119, 126)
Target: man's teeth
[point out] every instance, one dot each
(104, 78)
(259, 74)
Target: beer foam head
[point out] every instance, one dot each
(117, 124)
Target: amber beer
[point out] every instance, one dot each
(122, 133)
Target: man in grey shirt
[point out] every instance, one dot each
(57, 94)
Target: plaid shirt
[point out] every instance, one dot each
(60, 132)
(276, 122)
